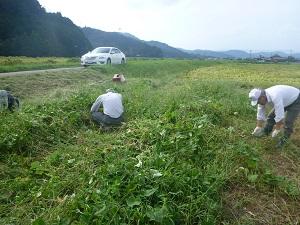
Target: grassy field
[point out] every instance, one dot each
(22, 63)
(184, 156)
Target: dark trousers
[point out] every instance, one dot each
(105, 120)
(292, 111)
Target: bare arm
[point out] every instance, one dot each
(261, 117)
(95, 107)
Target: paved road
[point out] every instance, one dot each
(21, 73)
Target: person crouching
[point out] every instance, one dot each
(112, 109)
(8, 101)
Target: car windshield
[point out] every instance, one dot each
(101, 50)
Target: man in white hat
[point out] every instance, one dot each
(283, 98)
(112, 109)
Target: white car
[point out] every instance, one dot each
(103, 55)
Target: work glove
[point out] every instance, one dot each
(258, 132)
(275, 133)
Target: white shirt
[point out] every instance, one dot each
(112, 104)
(280, 96)
(3, 99)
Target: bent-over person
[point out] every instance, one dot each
(112, 109)
(282, 98)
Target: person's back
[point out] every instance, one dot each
(283, 94)
(112, 104)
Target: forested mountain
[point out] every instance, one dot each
(127, 43)
(170, 52)
(26, 29)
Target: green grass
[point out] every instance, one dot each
(184, 156)
(22, 63)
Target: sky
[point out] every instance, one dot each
(249, 25)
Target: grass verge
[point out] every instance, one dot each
(184, 155)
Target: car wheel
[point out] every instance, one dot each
(123, 61)
(108, 62)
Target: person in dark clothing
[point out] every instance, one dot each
(13, 102)
(8, 101)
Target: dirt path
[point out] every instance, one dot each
(21, 73)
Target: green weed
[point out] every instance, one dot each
(185, 140)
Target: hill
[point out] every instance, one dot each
(170, 52)
(237, 54)
(27, 29)
(129, 44)
(129, 35)
(206, 53)
(133, 46)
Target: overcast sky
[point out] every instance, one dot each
(255, 25)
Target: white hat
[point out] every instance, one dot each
(254, 94)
